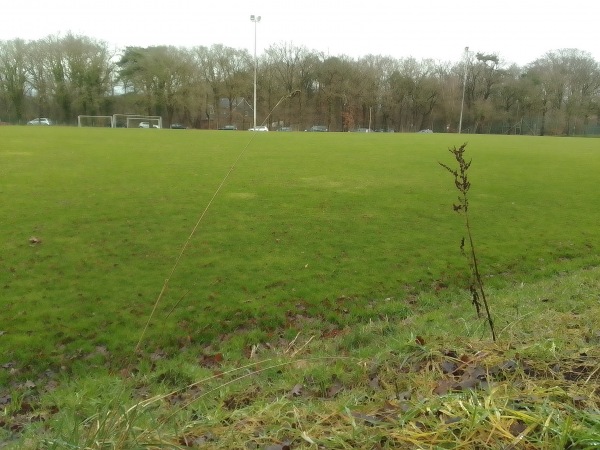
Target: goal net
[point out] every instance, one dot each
(95, 121)
(136, 121)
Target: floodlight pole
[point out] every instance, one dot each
(462, 104)
(255, 19)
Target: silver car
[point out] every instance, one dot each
(40, 121)
(147, 125)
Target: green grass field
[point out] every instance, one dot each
(327, 224)
(292, 310)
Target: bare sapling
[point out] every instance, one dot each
(463, 185)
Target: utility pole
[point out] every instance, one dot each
(255, 19)
(462, 104)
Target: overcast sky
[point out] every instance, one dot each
(520, 31)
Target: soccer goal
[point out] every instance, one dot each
(136, 121)
(95, 121)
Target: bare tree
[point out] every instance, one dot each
(89, 72)
(13, 77)
(566, 85)
(291, 67)
(61, 77)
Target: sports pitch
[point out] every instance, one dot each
(345, 227)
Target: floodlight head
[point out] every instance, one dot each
(254, 18)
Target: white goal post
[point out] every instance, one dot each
(134, 120)
(95, 121)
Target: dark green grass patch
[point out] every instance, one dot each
(339, 227)
(428, 381)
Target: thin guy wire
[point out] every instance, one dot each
(185, 245)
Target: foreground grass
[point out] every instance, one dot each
(425, 382)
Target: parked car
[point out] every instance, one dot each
(285, 129)
(146, 125)
(320, 128)
(178, 126)
(259, 128)
(362, 130)
(426, 131)
(40, 121)
(228, 127)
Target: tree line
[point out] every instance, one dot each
(61, 77)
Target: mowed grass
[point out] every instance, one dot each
(342, 227)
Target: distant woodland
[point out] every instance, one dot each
(61, 77)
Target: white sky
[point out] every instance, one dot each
(519, 31)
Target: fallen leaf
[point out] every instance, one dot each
(509, 365)
(335, 388)
(196, 441)
(448, 366)
(516, 428)
(374, 383)
(157, 355)
(372, 420)
(467, 383)
(579, 400)
(444, 386)
(211, 360)
(25, 408)
(404, 395)
(452, 419)
(297, 390)
(391, 410)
